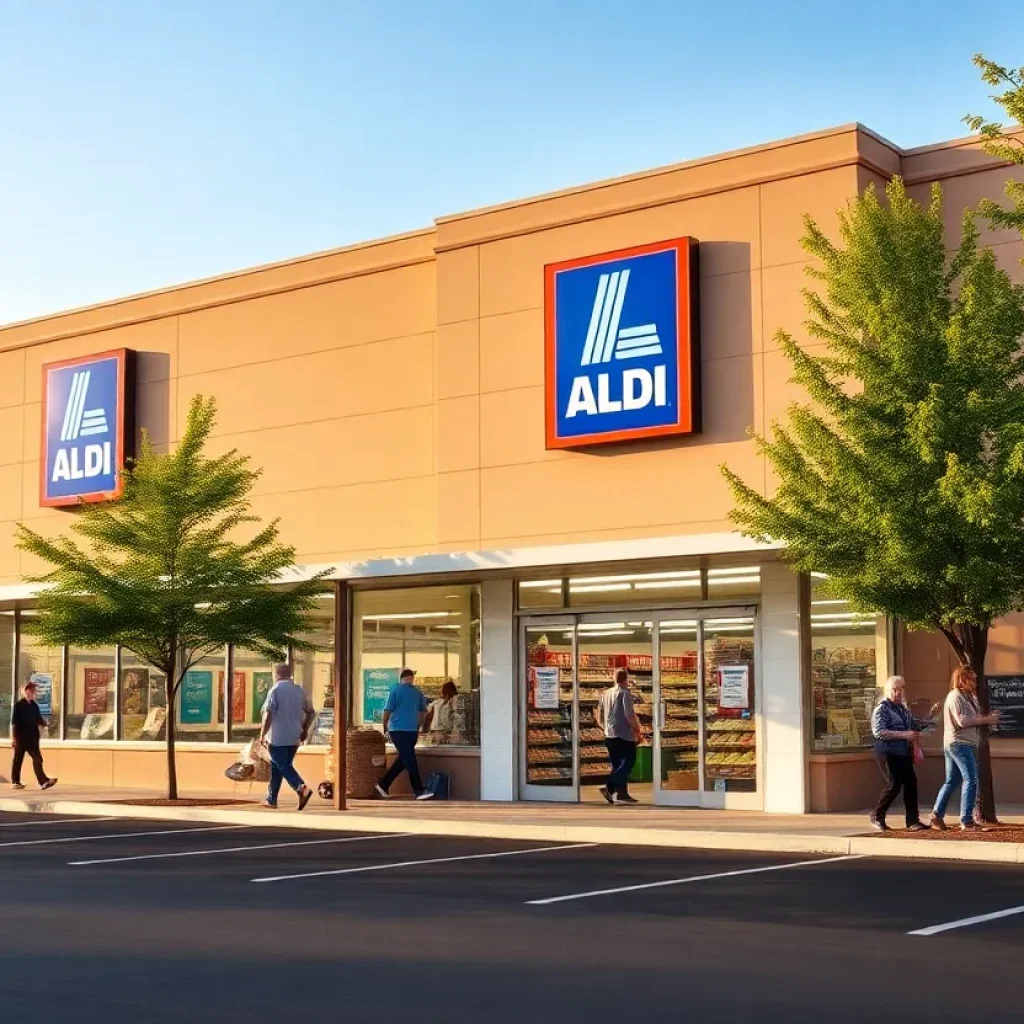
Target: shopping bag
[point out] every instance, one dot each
(439, 783)
(918, 752)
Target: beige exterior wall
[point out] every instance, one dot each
(392, 392)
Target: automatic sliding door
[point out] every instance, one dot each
(678, 718)
(549, 720)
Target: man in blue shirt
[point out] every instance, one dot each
(403, 718)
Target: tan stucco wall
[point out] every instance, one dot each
(393, 392)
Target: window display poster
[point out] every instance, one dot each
(237, 697)
(545, 688)
(197, 697)
(44, 692)
(1006, 695)
(134, 688)
(733, 688)
(157, 692)
(261, 684)
(98, 685)
(377, 685)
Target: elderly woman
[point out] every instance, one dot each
(961, 718)
(896, 731)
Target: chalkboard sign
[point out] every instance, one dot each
(1006, 694)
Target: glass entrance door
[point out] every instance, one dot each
(549, 722)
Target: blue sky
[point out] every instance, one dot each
(149, 142)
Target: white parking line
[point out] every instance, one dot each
(416, 863)
(966, 922)
(121, 835)
(52, 821)
(687, 880)
(237, 849)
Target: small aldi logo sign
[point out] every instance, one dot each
(88, 406)
(622, 345)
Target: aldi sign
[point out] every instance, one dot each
(88, 406)
(622, 345)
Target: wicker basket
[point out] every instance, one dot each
(366, 761)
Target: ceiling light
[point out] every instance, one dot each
(408, 615)
(537, 584)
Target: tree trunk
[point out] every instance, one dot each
(172, 767)
(970, 643)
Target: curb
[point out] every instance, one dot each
(352, 821)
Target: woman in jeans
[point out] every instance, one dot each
(961, 718)
(896, 730)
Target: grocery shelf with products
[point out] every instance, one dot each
(549, 742)
(845, 691)
(730, 744)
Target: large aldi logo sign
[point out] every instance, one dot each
(88, 418)
(622, 345)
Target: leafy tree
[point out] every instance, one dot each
(904, 481)
(998, 143)
(166, 572)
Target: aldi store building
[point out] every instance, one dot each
(504, 434)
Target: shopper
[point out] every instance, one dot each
(26, 718)
(961, 717)
(404, 715)
(896, 731)
(617, 718)
(441, 715)
(287, 716)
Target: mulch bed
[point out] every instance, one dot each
(184, 802)
(992, 834)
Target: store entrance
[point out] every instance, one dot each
(694, 688)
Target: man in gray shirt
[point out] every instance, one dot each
(617, 718)
(287, 716)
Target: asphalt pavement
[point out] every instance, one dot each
(121, 920)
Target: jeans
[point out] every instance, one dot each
(622, 754)
(898, 772)
(961, 763)
(33, 752)
(281, 768)
(405, 745)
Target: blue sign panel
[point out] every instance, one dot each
(86, 415)
(377, 686)
(621, 345)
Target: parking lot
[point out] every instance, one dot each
(120, 920)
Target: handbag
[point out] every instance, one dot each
(918, 752)
(439, 783)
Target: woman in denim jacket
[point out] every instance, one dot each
(896, 730)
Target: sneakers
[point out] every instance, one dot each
(268, 805)
(918, 826)
(607, 794)
(625, 798)
(937, 823)
(49, 784)
(17, 785)
(970, 826)
(382, 793)
(879, 826)
(304, 797)
(425, 796)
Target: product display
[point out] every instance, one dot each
(730, 748)
(845, 692)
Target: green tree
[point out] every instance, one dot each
(904, 480)
(166, 571)
(996, 142)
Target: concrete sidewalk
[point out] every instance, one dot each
(835, 834)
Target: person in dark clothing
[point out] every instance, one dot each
(896, 733)
(26, 718)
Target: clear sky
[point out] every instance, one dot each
(149, 142)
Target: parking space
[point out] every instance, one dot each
(529, 929)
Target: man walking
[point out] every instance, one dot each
(616, 716)
(26, 718)
(403, 718)
(287, 716)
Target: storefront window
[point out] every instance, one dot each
(90, 707)
(314, 672)
(200, 702)
(730, 706)
(44, 666)
(844, 657)
(253, 678)
(7, 621)
(540, 594)
(143, 700)
(432, 630)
